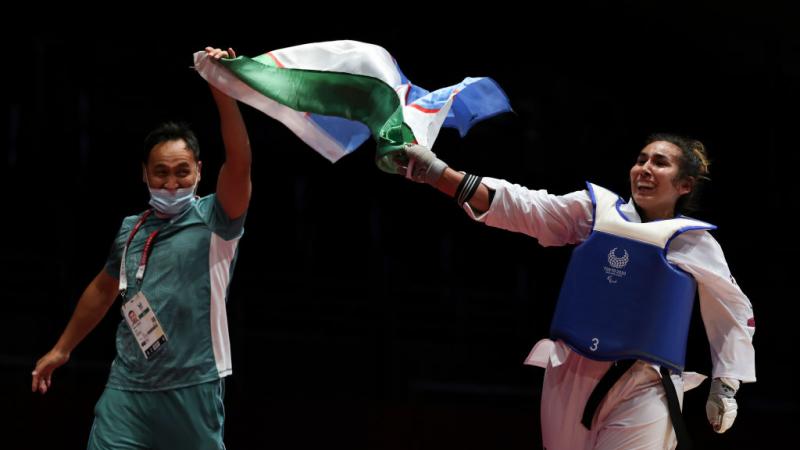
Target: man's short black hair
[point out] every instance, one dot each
(171, 131)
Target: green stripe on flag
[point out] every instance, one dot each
(355, 97)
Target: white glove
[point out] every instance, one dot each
(721, 406)
(423, 165)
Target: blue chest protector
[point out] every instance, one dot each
(621, 298)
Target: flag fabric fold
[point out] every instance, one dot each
(334, 95)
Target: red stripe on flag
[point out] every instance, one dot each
(277, 63)
(425, 110)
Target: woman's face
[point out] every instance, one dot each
(654, 180)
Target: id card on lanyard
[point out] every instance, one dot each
(138, 314)
(144, 324)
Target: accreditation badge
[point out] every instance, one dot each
(143, 324)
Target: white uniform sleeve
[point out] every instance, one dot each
(726, 310)
(552, 219)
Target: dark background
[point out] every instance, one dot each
(367, 311)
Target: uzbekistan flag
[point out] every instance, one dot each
(334, 95)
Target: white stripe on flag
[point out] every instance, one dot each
(352, 57)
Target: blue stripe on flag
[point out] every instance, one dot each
(480, 99)
(477, 99)
(415, 93)
(348, 133)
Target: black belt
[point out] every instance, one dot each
(613, 375)
(684, 442)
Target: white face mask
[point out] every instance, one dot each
(172, 203)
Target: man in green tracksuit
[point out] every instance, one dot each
(172, 265)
